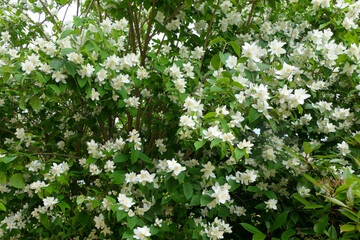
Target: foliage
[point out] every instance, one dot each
(179, 119)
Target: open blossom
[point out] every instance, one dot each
(49, 202)
(231, 62)
(252, 51)
(142, 233)
(221, 193)
(271, 204)
(175, 167)
(186, 121)
(343, 148)
(208, 170)
(86, 70)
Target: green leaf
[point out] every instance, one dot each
(70, 68)
(17, 181)
(279, 221)
(57, 63)
(188, 190)
(332, 233)
(209, 115)
(120, 215)
(80, 199)
(205, 199)
(22, 104)
(357, 138)
(320, 225)
(35, 103)
(40, 77)
(239, 153)
(216, 40)
(66, 33)
(251, 228)
(135, 154)
(215, 142)
(224, 57)
(272, 4)
(63, 205)
(253, 115)
(82, 81)
(236, 47)
(121, 158)
(259, 236)
(2, 178)
(347, 228)
(336, 201)
(66, 51)
(131, 221)
(2, 207)
(55, 88)
(8, 159)
(215, 62)
(199, 144)
(309, 148)
(195, 200)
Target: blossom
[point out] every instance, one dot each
(231, 62)
(221, 193)
(49, 202)
(304, 192)
(343, 148)
(271, 204)
(208, 170)
(142, 233)
(175, 167)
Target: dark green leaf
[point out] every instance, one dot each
(205, 199)
(279, 221)
(251, 228)
(35, 103)
(188, 190)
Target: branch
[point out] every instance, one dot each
(208, 32)
(148, 37)
(52, 16)
(135, 20)
(251, 13)
(97, 8)
(55, 154)
(47, 39)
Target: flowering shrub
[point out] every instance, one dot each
(178, 120)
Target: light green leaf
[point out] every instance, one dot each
(236, 47)
(347, 228)
(17, 181)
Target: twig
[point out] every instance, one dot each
(148, 37)
(208, 32)
(47, 39)
(55, 154)
(251, 13)
(52, 16)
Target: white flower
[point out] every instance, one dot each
(208, 170)
(49, 202)
(142, 233)
(175, 167)
(231, 62)
(343, 148)
(94, 95)
(271, 204)
(186, 121)
(221, 193)
(304, 192)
